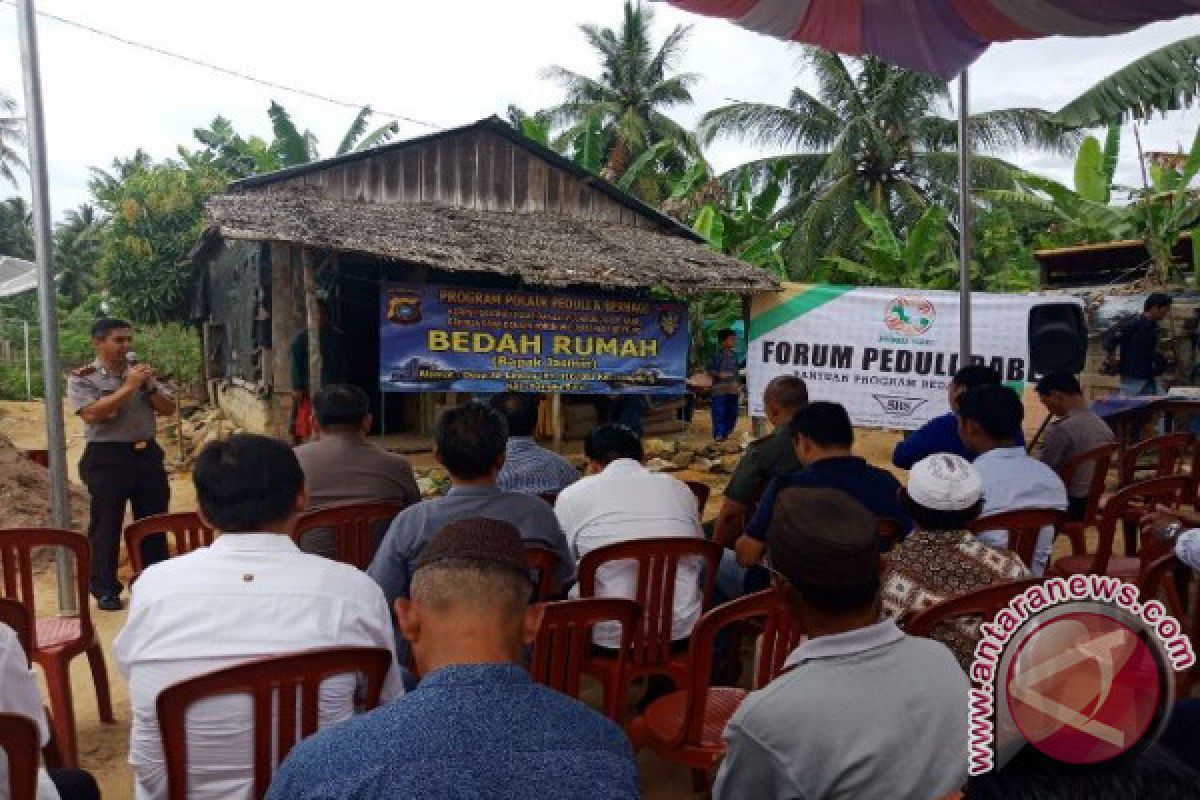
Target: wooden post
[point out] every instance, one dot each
(312, 311)
(758, 425)
(556, 419)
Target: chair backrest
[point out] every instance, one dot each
(1099, 459)
(1023, 528)
(16, 568)
(1176, 584)
(543, 565)
(780, 635)
(1165, 452)
(17, 616)
(657, 561)
(20, 740)
(702, 492)
(184, 531)
(281, 688)
(1170, 491)
(564, 641)
(355, 527)
(986, 603)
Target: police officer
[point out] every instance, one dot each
(121, 463)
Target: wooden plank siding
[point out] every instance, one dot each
(477, 170)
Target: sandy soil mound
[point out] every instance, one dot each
(25, 492)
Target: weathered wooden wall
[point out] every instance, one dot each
(477, 169)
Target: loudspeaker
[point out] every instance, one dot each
(1058, 339)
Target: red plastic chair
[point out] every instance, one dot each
(685, 726)
(16, 616)
(57, 640)
(1165, 453)
(1169, 579)
(563, 645)
(1023, 526)
(1132, 502)
(355, 528)
(543, 565)
(702, 491)
(1100, 459)
(20, 740)
(185, 529)
(985, 603)
(657, 561)
(294, 679)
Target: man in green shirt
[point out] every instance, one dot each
(771, 456)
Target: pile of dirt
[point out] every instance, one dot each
(25, 492)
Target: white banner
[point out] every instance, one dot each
(885, 354)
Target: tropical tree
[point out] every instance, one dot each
(878, 135)
(12, 137)
(1166, 80)
(155, 218)
(16, 229)
(1168, 209)
(925, 258)
(621, 113)
(77, 241)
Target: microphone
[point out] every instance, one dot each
(131, 358)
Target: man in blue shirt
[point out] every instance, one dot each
(940, 434)
(528, 467)
(725, 390)
(476, 726)
(824, 439)
(469, 441)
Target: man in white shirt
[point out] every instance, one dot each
(1012, 481)
(620, 500)
(252, 594)
(19, 695)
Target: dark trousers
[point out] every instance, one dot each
(116, 473)
(724, 414)
(1076, 508)
(74, 784)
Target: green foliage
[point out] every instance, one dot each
(77, 254)
(608, 122)
(16, 229)
(742, 222)
(925, 258)
(1164, 212)
(1006, 263)
(12, 139)
(156, 217)
(1165, 80)
(875, 135)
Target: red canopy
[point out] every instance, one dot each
(937, 36)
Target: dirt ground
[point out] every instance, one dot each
(103, 748)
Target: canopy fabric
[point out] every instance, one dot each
(937, 36)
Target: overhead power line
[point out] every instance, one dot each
(225, 70)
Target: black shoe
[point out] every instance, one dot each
(109, 602)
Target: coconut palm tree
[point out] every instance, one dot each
(873, 134)
(12, 137)
(628, 101)
(76, 254)
(16, 229)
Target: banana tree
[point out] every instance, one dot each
(924, 259)
(1167, 210)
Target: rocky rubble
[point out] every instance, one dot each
(670, 455)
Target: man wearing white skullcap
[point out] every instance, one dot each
(941, 559)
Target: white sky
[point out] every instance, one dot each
(448, 62)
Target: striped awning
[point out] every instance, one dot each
(937, 36)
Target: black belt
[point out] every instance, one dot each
(140, 446)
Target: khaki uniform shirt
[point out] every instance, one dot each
(768, 457)
(340, 468)
(134, 420)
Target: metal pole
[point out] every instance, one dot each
(28, 378)
(964, 222)
(56, 440)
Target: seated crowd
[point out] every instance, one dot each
(862, 709)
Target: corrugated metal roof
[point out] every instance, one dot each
(16, 276)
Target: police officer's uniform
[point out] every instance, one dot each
(121, 463)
